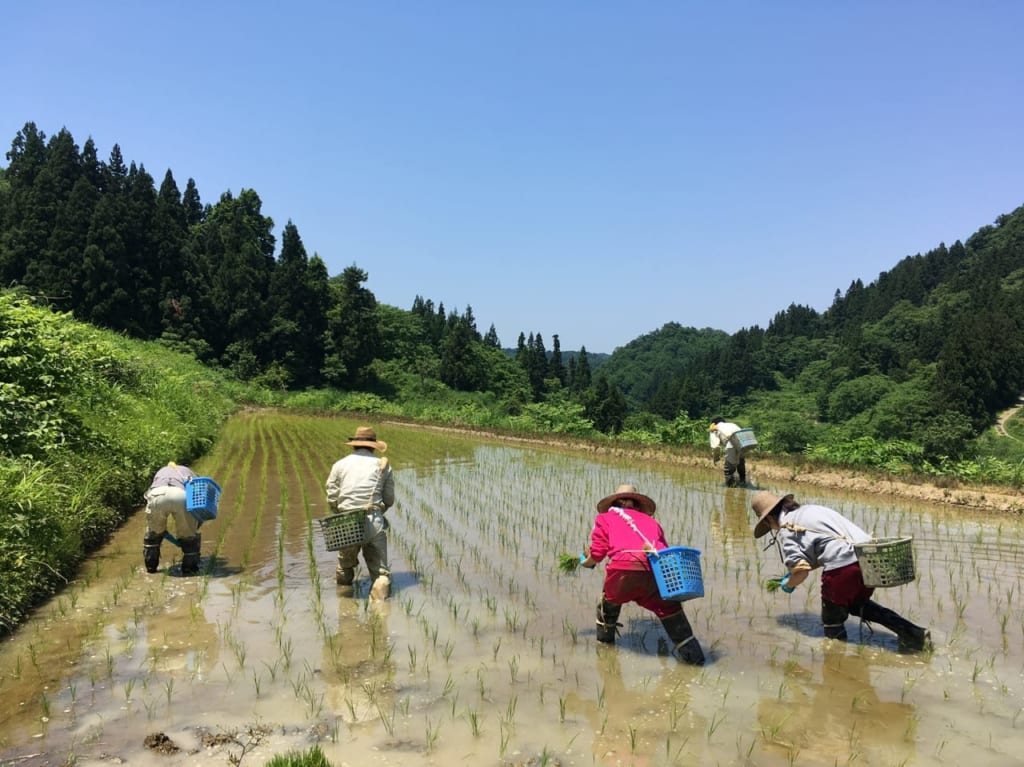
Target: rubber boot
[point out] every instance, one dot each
(607, 621)
(833, 618)
(679, 631)
(190, 555)
(741, 469)
(151, 551)
(381, 588)
(345, 577)
(730, 474)
(911, 637)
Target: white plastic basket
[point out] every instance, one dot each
(744, 440)
(886, 562)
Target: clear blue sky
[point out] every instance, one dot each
(588, 169)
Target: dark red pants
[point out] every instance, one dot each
(621, 586)
(845, 586)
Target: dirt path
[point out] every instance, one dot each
(780, 474)
(1006, 415)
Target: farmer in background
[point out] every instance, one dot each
(723, 446)
(166, 497)
(809, 537)
(624, 530)
(363, 481)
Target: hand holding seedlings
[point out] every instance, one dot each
(567, 563)
(774, 584)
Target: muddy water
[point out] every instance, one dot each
(485, 654)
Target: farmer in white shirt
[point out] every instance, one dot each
(363, 481)
(723, 446)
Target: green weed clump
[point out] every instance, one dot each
(314, 757)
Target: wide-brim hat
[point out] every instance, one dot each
(622, 492)
(764, 503)
(365, 436)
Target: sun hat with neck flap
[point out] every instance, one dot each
(365, 436)
(624, 492)
(764, 503)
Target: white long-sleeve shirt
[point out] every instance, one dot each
(361, 481)
(720, 437)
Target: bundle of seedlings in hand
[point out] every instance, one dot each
(567, 563)
(773, 584)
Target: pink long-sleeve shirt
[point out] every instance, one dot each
(612, 537)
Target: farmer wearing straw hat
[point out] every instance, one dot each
(363, 481)
(624, 530)
(809, 537)
(724, 447)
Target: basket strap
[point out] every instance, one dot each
(182, 477)
(632, 524)
(801, 529)
(382, 466)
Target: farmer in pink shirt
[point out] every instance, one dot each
(624, 529)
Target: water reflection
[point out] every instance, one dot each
(637, 724)
(838, 718)
(357, 663)
(730, 524)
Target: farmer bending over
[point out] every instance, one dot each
(810, 537)
(625, 528)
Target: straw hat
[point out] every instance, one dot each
(367, 437)
(622, 492)
(764, 503)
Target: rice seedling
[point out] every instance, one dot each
(432, 734)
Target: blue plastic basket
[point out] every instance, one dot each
(202, 495)
(677, 572)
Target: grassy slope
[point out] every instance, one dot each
(86, 417)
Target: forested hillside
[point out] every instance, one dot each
(906, 371)
(926, 354)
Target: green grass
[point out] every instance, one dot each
(314, 757)
(86, 417)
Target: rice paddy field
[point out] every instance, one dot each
(485, 653)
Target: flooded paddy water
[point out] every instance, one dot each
(485, 654)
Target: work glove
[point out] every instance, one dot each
(583, 559)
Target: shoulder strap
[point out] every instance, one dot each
(800, 529)
(382, 466)
(632, 524)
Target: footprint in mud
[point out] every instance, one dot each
(161, 743)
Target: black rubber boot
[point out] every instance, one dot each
(190, 555)
(741, 469)
(729, 471)
(679, 631)
(911, 637)
(833, 618)
(607, 617)
(151, 551)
